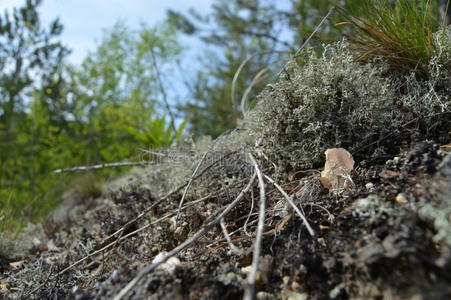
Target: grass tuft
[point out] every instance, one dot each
(401, 32)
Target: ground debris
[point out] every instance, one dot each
(359, 236)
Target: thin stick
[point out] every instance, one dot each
(149, 268)
(249, 292)
(185, 192)
(314, 31)
(152, 152)
(163, 91)
(120, 239)
(330, 215)
(248, 90)
(249, 215)
(101, 166)
(244, 63)
(290, 201)
(228, 239)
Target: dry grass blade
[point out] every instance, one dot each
(178, 189)
(101, 250)
(288, 198)
(243, 64)
(190, 181)
(258, 78)
(247, 60)
(118, 240)
(329, 13)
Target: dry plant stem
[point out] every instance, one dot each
(163, 92)
(290, 201)
(232, 233)
(228, 239)
(101, 166)
(259, 77)
(249, 215)
(243, 64)
(249, 292)
(205, 228)
(120, 239)
(152, 152)
(191, 180)
(314, 32)
(331, 216)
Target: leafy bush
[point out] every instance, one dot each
(110, 109)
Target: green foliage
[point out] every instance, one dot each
(241, 28)
(116, 93)
(101, 113)
(30, 58)
(156, 132)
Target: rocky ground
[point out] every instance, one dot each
(372, 242)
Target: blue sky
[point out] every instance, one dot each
(84, 20)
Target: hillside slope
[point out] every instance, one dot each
(387, 236)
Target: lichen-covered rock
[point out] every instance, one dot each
(438, 211)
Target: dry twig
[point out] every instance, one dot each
(249, 292)
(233, 248)
(147, 210)
(101, 166)
(192, 177)
(118, 240)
